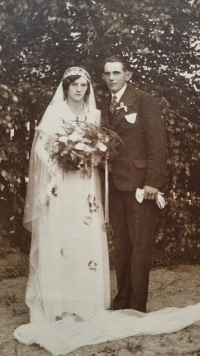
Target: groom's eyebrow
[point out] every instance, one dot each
(115, 72)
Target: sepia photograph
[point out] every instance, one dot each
(99, 178)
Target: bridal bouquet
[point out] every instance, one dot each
(79, 145)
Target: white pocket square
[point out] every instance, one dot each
(131, 118)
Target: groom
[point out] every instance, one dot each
(140, 163)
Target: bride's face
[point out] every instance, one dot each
(77, 89)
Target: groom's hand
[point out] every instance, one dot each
(150, 193)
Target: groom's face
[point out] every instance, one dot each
(114, 76)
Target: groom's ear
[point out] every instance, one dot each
(103, 76)
(128, 75)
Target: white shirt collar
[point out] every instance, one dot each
(119, 93)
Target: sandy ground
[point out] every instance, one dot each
(176, 287)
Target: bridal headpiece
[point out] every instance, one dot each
(77, 71)
(59, 95)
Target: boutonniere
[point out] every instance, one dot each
(122, 106)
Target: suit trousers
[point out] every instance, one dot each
(134, 226)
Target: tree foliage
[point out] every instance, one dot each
(40, 39)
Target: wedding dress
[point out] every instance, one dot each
(69, 267)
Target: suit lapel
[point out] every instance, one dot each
(128, 99)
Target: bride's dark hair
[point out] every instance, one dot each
(71, 79)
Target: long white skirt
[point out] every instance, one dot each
(69, 265)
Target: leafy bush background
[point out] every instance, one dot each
(41, 38)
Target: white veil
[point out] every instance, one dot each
(36, 201)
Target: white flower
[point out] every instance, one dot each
(122, 106)
(75, 136)
(83, 147)
(63, 139)
(101, 147)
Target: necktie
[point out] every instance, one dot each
(113, 104)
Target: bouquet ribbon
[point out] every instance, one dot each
(106, 192)
(92, 195)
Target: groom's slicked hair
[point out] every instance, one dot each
(118, 58)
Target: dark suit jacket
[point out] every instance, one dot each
(141, 159)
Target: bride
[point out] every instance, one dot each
(68, 288)
(67, 239)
